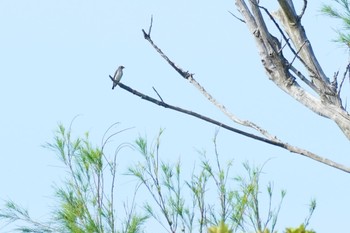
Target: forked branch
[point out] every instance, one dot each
(267, 137)
(327, 103)
(278, 143)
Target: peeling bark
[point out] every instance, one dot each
(281, 70)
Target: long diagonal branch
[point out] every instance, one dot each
(189, 76)
(268, 138)
(278, 143)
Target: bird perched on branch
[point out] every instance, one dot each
(117, 76)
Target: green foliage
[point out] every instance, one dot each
(342, 14)
(85, 203)
(13, 212)
(162, 180)
(222, 228)
(235, 208)
(300, 229)
(86, 200)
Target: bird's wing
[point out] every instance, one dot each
(116, 72)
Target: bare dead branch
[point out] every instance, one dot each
(116, 83)
(292, 25)
(236, 17)
(228, 113)
(261, 30)
(334, 83)
(150, 26)
(302, 10)
(303, 78)
(282, 47)
(289, 11)
(346, 104)
(327, 103)
(197, 115)
(343, 79)
(276, 142)
(157, 94)
(297, 53)
(189, 76)
(311, 101)
(183, 73)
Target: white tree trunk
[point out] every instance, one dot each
(282, 72)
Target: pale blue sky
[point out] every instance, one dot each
(56, 56)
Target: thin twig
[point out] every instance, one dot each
(334, 83)
(295, 56)
(282, 47)
(242, 20)
(116, 83)
(157, 94)
(184, 74)
(150, 26)
(343, 79)
(302, 10)
(303, 78)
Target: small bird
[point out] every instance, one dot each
(117, 76)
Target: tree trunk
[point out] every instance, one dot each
(281, 70)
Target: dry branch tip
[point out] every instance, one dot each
(302, 10)
(242, 20)
(158, 94)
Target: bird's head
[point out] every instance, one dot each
(121, 67)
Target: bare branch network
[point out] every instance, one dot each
(279, 69)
